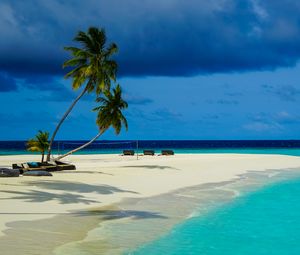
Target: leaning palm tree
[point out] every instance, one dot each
(39, 144)
(93, 68)
(109, 115)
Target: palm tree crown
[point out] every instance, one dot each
(110, 111)
(39, 144)
(92, 62)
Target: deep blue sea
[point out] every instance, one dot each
(263, 222)
(287, 147)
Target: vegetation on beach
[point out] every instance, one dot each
(39, 143)
(93, 68)
(109, 114)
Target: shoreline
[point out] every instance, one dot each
(109, 180)
(291, 151)
(103, 229)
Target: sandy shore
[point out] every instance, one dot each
(102, 180)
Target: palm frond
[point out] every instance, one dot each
(92, 61)
(40, 143)
(109, 112)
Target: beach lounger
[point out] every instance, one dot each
(19, 167)
(50, 168)
(167, 152)
(149, 152)
(29, 167)
(64, 166)
(35, 166)
(44, 166)
(128, 152)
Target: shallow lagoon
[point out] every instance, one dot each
(265, 221)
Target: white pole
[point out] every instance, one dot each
(137, 150)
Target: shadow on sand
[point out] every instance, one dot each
(82, 172)
(120, 214)
(43, 236)
(77, 187)
(42, 196)
(67, 197)
(151, 167)
(103, 214)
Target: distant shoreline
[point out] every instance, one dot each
(273, 151)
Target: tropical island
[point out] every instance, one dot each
(176, 132)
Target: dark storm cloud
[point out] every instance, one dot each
(172, 38)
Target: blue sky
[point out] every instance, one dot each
(189, 69)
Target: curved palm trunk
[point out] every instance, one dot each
(81, 147)
(62, 120)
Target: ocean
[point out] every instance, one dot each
(261, 222)
(285, 147)
(259, 213)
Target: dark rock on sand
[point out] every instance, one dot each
(6, 172)
(37, 173)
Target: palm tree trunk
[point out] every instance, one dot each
(80, 147)
(43, 154)
(62, 120)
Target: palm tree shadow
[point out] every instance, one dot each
(82, 172)
(152, 167)
(67, 197)
(42, 196)
(120, 214)
(78, 187)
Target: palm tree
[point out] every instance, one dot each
(39, 144)
(109, 115)
(92, 65)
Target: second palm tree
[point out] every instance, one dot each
(109, 114)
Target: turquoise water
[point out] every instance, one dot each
(285, 151)
(266, 221)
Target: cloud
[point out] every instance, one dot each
(284, 117)
(159, 115)
(261, 127)
(137, 100)
(41, 82)
(233, 94)
(223, 102)
(63, 95)
(287, 93)
(262, 122)
(179, 38)
(7, 83)
(278, 121)
(28, 116)
(166, 114)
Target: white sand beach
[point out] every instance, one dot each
(105, 179)
(102, 180)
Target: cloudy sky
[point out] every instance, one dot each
(224, 69)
